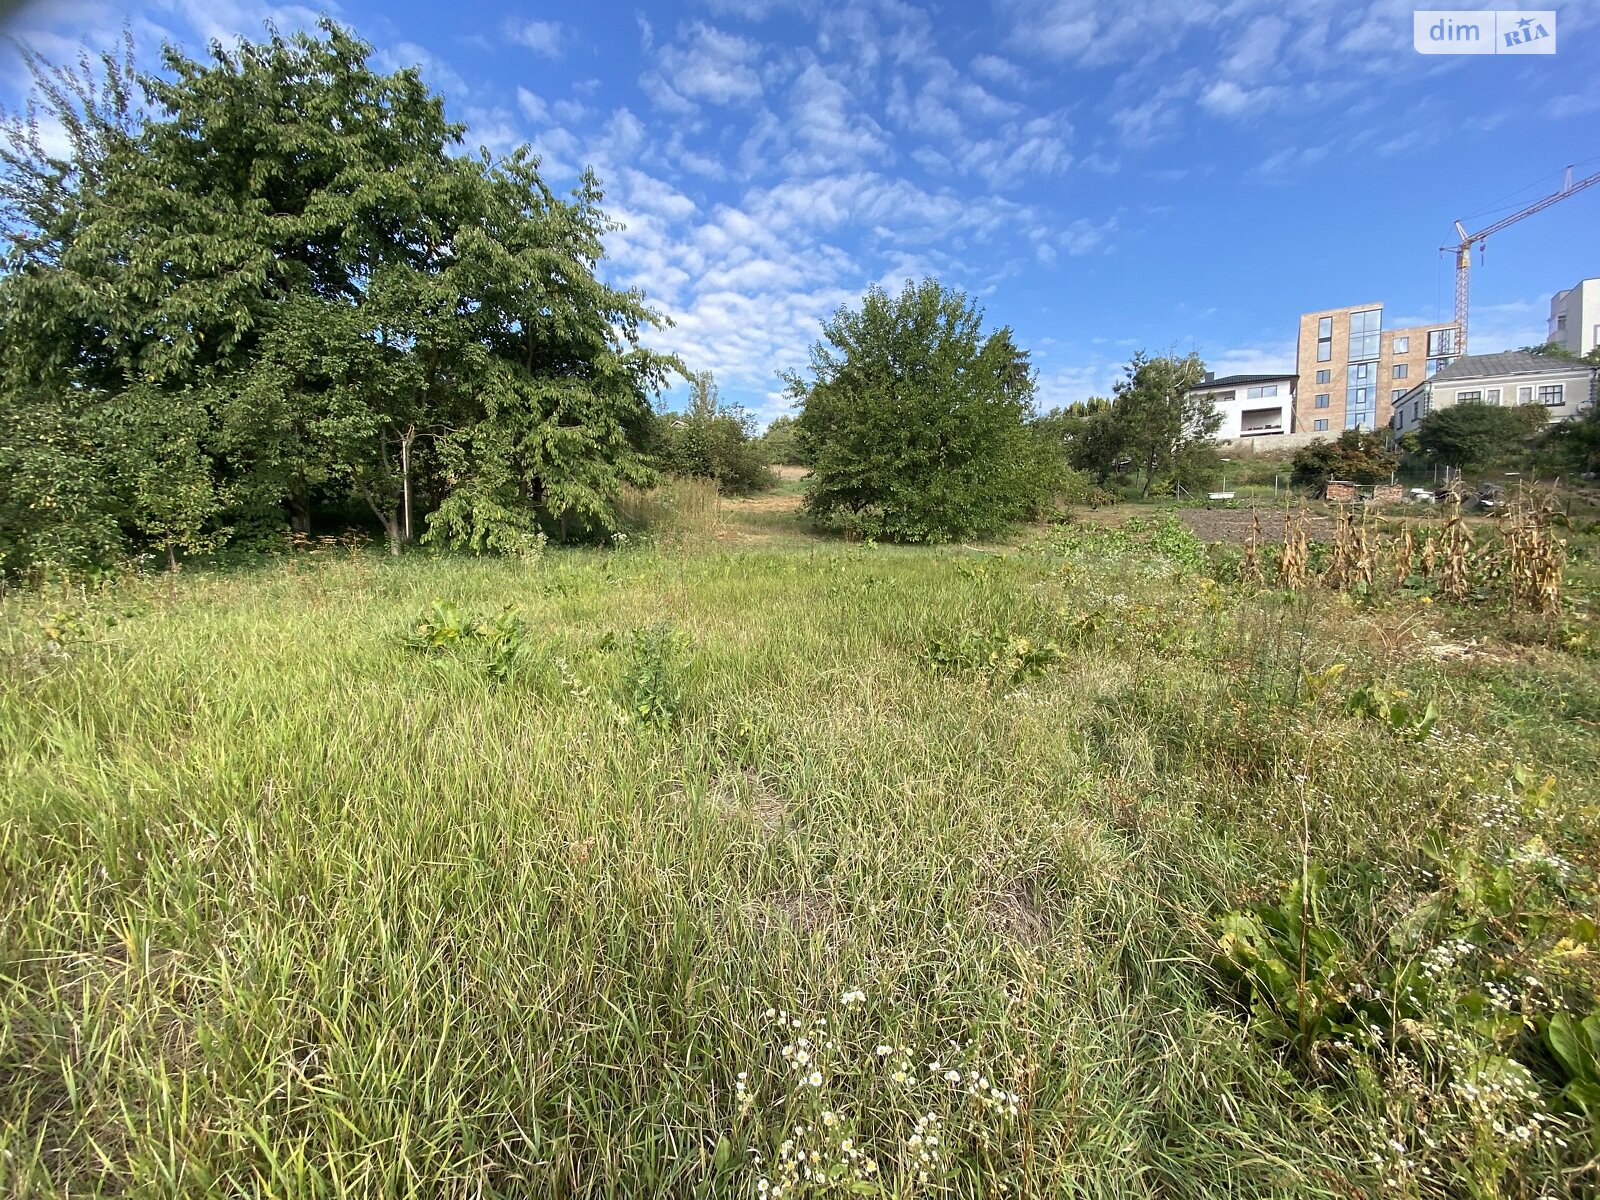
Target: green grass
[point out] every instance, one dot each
(289, 906)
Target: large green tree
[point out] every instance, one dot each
(281, 281)
(1163, 421)
(1471, 436)
(915, 422)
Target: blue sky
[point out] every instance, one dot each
(1103, 175)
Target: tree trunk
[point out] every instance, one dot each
(299, 513)
(172, 557)
(405, 481)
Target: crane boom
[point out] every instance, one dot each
(1463, 250)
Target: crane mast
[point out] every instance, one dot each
(1463, 250)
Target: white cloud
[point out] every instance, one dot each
(711, 65)
(827, 129)
(664, 96)
(1281, 166)
(1089, 376)
(1574, 104)
(542, 37)
(492, 128)
(1226, 98)
(532, 106)
(999, 70)
(1263, 359)
(436, 73)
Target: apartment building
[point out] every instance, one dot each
(1251, 405)
(1352, 370)
(1575, 317)
(1513, 377)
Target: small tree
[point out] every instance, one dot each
(1358, 455)
(915, 422)
(1087, 436)
(713, 440)
(1470, 436)
(1159, 413)
(780, 444)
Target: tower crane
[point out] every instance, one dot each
(1463, 250)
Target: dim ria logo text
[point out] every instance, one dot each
(1484, 31)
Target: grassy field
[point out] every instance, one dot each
(784, 867)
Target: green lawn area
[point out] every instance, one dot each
(697, 867)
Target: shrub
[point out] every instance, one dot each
(712, 440)
(914, 416)
(780, 444)
(652, 677)
(1359, 455)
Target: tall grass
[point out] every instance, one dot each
(290, 906)
(678, 510)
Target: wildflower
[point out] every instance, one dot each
(815, 1079)
(853, 997)
(884, 1051)
(829, 1120)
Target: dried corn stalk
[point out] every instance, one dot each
(1364, 564)
(1455, 579)
(1250, 568)
(1341, 564)
(1535, 559)
(1405, 550)
(1293, 567)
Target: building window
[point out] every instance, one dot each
(1494, 396)
(1396, 394)
(1365, 330)
(1553, 394)
(1223, 397)
(1325, 327)
(1325, 339)
(1525, 395)
(1402, 345)
(1401, 370)
(1323, 376)
(1441, 342)
(1473, 397)
(1262, 392)
(1416, 411)
(1322, 399)
(1435, 364)
(1319, 426)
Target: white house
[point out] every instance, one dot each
(1251, 405)
(1575, 317)
(1513, 378)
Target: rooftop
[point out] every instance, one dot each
(1509, 362)
(1228, 381)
